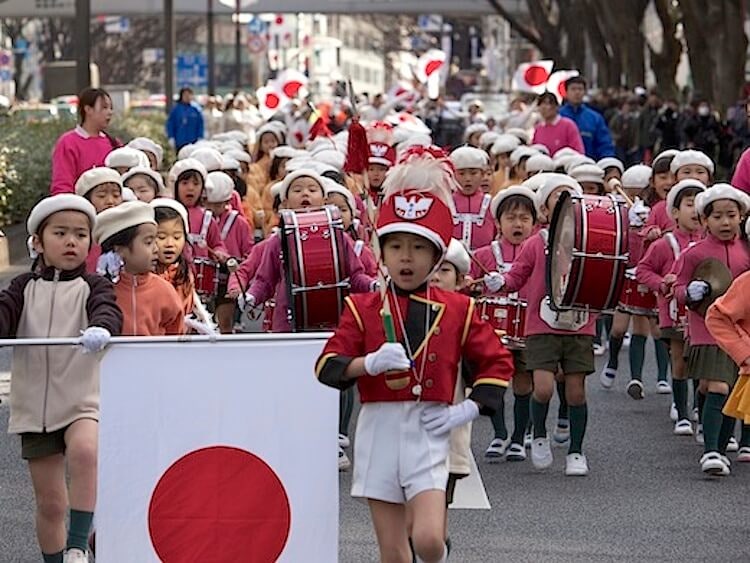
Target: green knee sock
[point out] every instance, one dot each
(699, 401)
(579, 415)
(53, 557)
(637, 353)
(562, 409)
(498, 422)
(80, 526)
(520, 417)
(679, 393)
(726, 432)
(662, 358)
(615, 344)
(712, 421)
(745, 436)
(539, 418)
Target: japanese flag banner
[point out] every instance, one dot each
(556, 82)
(270, 100)
(429, 65)
(216, 451)
(532, 77)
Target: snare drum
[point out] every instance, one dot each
(312, 243)
(587, 253)
(636, 298)
(206, 277)
(507, 315)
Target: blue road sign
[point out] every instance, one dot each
(192, 70)
(256, 26)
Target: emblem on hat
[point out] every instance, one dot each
(413, 208)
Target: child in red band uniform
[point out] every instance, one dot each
(406, 387)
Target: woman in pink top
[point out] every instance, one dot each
(555, 131)
(87, 145)
(721, 209)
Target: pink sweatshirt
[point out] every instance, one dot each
(562, 132)
(481, 235)
(658, 218)
(659, 261)
(249, 267)
(741, 177)
(736, 257)
(213, 235)
(239, 240)
(74, 153)
(270, 280)
(527, 272)
(366, 256)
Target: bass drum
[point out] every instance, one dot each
(587, 253)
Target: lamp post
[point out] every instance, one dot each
(83, 44)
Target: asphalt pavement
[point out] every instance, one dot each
(645, 498)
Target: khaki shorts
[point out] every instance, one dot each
(572, 353)
(43, 444)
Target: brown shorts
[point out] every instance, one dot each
(519, 361)
(573, 353)
(43, 444)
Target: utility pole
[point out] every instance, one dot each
(210, 52)
(237, 47)
(83, 44)
(169, 48)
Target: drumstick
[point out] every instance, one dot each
(616, 185)
(233, 265)
(476, 260)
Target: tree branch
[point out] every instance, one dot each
(524, 31)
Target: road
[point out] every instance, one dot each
(644, 500)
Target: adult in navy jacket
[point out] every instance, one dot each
(591, 124)
(185, 121)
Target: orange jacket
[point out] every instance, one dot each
(150, 306)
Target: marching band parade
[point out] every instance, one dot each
(453, 281)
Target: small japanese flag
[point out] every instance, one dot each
(429, 65)
(270, 100)
(556, 82)
(532, 77)
(292, 83)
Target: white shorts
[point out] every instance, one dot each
(395, 458)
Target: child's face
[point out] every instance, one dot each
(610, 173)
(105, 196)
(686, 216)
(516, 224)
(446, 277)
(662, 182)
(141, 187)
(152, 160)
(592, 188)
(140, 255)
(486, 183)
(346, 214)
(376, 174)
(217, 208)
(170, 240)
(724, 220)
(268, 142)
(120, 169)
(694, 171)
(470, 179)
(552, 200)
(409, 259)
(65, 240)
(189, 191)
(304, 192)
(473, 139)
(503, 161)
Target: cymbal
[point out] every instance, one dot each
(717, 276)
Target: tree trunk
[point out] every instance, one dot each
(699, 52)
(664, 63)
(728, 54)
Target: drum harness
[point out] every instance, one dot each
(470, 219)
(228, 225)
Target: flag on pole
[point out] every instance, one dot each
(532, 77)
(556, 82)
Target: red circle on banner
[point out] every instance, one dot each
(291, 88)
(562, 91)
(219, 504)
(535, 75)
(272, 100)
(431, 67)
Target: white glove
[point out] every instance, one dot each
(246, 301)
(697, 290)
(200, 327)
(391, 356)
(441, 419)
(638, 213)
(94, 339)
(494, 281)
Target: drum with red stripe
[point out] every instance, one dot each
(206, 277)
(507, 315)
(312, 242)
(636, 298)
(587, 252)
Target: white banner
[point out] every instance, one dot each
(219, 451)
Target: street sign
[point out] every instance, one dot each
(432, 23)
(256, 26)
(192, 70)
(116, 24)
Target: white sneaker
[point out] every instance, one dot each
(75, 555)
(635, 389)
(663, 388)
(541, 453)
(626, 340)
(607, 377)
(344, 441)
(683, 428)
(527, 439)
(496, 450)
(712, 464)
(673, 413)
(695, 416)
(344, 462)
(599, 349)
(576, 465)
(733, 446)
(743, 455)
(562, 431)
(515, 452)
(699, 434)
